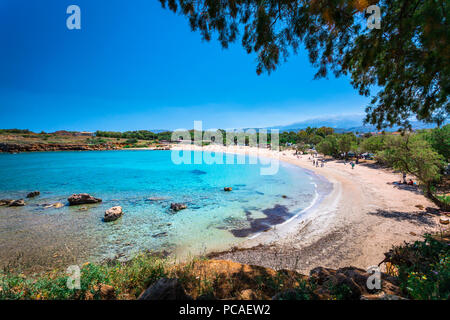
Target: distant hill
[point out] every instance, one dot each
(344, 123)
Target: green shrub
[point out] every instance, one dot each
(340, 292)
(131, 141)
(130, 277)
(304, 291)
(431, 285)
(444, 199)
(95, 141)
(423, 268)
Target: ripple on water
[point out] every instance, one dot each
(144, 184)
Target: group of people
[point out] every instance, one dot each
(409, 183)
(316, 162)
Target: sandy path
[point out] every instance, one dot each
(363, 216)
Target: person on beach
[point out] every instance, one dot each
(353, 164)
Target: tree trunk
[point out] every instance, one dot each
(435, 200)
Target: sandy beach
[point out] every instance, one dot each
(363, 216)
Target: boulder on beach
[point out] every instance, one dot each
(113, 213)
(82, 198)
(228, 189)
(17, 203)
(33, 194)
(177, 206)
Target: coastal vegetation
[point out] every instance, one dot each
(419, 270)
(424, 153)
(21, 140)
(136, 135)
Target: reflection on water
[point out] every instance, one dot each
(144, 183)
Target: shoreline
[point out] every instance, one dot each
(354, 224)
(362, 217)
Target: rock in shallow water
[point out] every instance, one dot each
(6, 202)
(113, 213)
(82, 198)
(17, 203)
(33, 194)
(177, 206)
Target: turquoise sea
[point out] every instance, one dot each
(144, 183)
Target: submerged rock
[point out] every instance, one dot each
(159, 235)
(33, 194)
(82, 198)
(165, 289)
(113, 213)
(54, 205)
(228, 189)
(198, 172)
(157, 198)
(17, 203)
(177, 206)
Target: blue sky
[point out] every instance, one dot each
(134, 65)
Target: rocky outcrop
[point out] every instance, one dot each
(165, 289)
(177, 206)
(31, 147)
(17, 203)
(253, 282)
(352, 282)
(113, 214)
(82, 198)
(33, 194)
